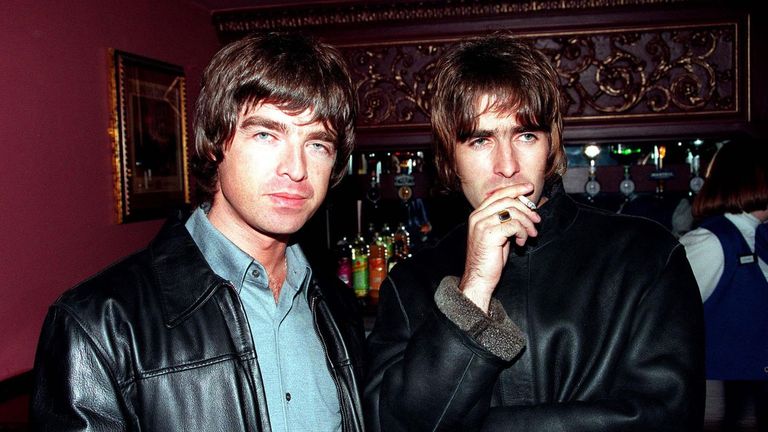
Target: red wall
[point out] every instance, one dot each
(57, 217)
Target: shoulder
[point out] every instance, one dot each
(415, 280)
(635, 244)
(446, 257)
(699, 238)
(642, 232)
(118, 288)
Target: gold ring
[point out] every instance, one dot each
(504, 216)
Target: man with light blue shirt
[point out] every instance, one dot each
(222, 323)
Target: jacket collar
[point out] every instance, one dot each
(557, 216)
(184, 278)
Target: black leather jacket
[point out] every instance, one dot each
(614, 330)
(158, 342)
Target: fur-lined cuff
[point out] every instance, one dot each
(493, 331)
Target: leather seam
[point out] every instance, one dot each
(185, 367)
(100, 351)
(400, 303)
(453, 394)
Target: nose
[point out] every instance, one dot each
(293, 163)
(505, 161)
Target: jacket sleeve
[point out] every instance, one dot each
(659, 386)
(73, 388)
(424, 372)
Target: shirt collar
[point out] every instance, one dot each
(232, 263)
(299, 271)
(744, 221)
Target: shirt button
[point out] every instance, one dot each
(288, 397)
(255, 273)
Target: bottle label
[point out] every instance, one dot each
(378, 271)
(344, 272)
(360, 276)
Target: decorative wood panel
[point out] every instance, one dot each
(624, 73)
(236, 23)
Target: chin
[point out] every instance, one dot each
(286, 226)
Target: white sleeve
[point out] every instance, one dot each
(706, 257)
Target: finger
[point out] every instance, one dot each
(509, 202)
(512, 190)
(517, 230)
(517, 216)
(495, 203)
(495, 229)
(513, 206)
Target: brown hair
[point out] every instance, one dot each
(292, 71)
(736, 180)
(519, 79)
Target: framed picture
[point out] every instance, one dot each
(148, 131)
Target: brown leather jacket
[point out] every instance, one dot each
(158, 342)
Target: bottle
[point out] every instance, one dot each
(344, 261)
(344, 271)
(377, 267)
(389, 239)
(360, 267)
(370, 235)
(402, 246)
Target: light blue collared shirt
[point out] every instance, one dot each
(301, 394)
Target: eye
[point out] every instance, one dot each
(478, 142)
(528, 137)
(262, 136)
(322, 148)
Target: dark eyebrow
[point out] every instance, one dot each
(256, 121)
(322, 135)
(482, 133)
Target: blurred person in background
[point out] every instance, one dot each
(728, 254)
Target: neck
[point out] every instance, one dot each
(761, 215)
(267, 249)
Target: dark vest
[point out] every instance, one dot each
(736, 314)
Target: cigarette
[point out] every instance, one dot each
(528, 203)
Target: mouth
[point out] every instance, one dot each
(494, 190)
(289, 199)
(490, 192)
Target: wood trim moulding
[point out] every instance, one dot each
(233, 24)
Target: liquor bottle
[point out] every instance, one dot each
(360, 267)
(344, 261)
(389, 239)
(402, 246)
(370, 234)
(344, 271)
(377, 267)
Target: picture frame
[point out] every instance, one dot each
(149, 136)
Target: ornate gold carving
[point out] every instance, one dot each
(393, 82)
(628, 73)
(609, 74)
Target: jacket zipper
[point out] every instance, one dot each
(313, 308)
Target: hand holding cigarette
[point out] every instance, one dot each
(505, 215)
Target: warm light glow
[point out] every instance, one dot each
(591, 151)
